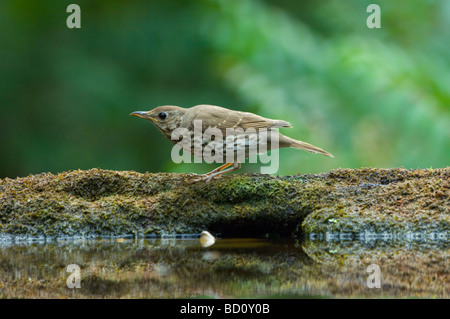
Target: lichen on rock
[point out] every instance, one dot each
(98, 203)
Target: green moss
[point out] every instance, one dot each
(103, 203)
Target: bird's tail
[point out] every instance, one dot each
(280, 123)
(307, 147)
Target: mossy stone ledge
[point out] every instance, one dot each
(101, 203)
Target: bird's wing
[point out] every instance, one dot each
(216, 116)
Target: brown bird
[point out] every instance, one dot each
(242, 131)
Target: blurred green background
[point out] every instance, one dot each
(372, 97)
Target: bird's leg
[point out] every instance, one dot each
(235, 167)
(217, 172)
(218, 169)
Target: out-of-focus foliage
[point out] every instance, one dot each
(372, 97)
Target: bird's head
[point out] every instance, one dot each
(166, 118)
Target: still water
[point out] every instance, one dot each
(230, 268)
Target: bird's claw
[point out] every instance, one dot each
(205, 177)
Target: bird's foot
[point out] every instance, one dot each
(205, 177)
(216, 173)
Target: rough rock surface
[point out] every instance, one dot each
(98, 203)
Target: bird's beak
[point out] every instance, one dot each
(144, 115)
(141, 114)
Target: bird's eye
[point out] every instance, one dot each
(162, 115)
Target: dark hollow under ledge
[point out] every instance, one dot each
(97, 203)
